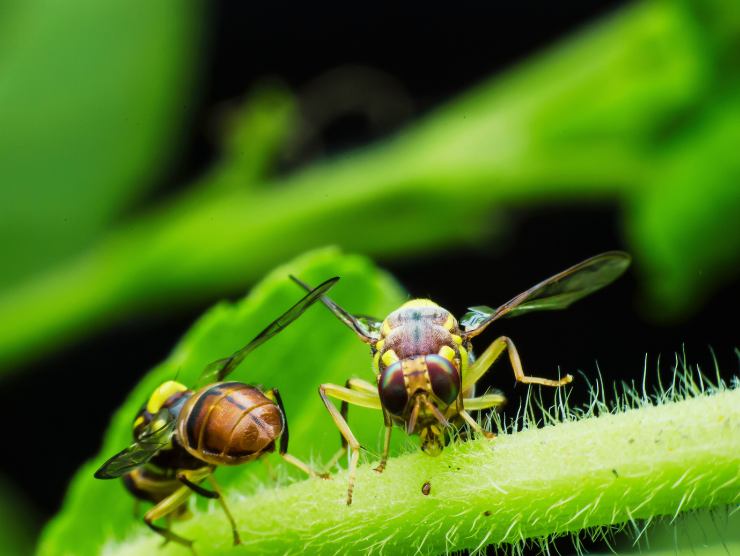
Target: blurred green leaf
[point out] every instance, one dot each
(316, 349)
(602, 116)
(92, 97)
(685, 220)
(256, 133)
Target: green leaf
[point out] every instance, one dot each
(684, 222)
(595, 118)
(316, 349)
(92, 96)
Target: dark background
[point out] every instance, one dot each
(431, 59)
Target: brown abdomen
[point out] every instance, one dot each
(228, 423)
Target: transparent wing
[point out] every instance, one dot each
(366, 328)
(557, 292)
(155, 437)
(370, 324)
(220, 369)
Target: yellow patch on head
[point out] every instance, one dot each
(389, 357)
(457, 339)
(139, 421)
(162, 393)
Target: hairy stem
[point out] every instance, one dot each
(596, 471)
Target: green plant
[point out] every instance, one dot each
(596, 467)
(642, 109)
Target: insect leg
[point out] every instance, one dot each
(363, 399)
(163, 509)
(190, 480)
(270, 470)
(362, 386)
(473, 423)
(481, 402)
(229, 516)
(487, 358)
(386, 442)
(353, 384)
(283, 448)
(484, 402)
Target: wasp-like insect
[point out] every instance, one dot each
(425, 368)
(182, 435)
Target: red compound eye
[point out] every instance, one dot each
(392, 389)
(444, 378)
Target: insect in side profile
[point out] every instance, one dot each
(425, 368)
(182, 435)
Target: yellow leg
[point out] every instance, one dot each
(481, 365)
(229, 516)
(303, 466)
(270, 470)
(386, 442)
(473, 423)
(191, 479)
(361, 386)
(484, 402)
(363, 399)
(481, 402)
(165, 508)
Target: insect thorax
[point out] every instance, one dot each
(418, 327)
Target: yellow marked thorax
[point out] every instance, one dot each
(419, 303)
(412, 304)
(162, 394)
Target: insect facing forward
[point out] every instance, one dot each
(424, 365)
(182, 435)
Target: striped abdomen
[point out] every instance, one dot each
(228, 423)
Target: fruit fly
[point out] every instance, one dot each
(424, 365)
(182, 435)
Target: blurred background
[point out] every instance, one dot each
(155, 159)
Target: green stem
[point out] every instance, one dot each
(607, 470)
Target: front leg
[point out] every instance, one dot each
(481, 402)
(386, 442)
(363, 399)
(352, 384)
(488, 357)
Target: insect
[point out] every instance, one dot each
(424, 365)
(182, 435)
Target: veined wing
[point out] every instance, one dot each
(557, 292)
(220, 369)
(156, 436)
(366, 328)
